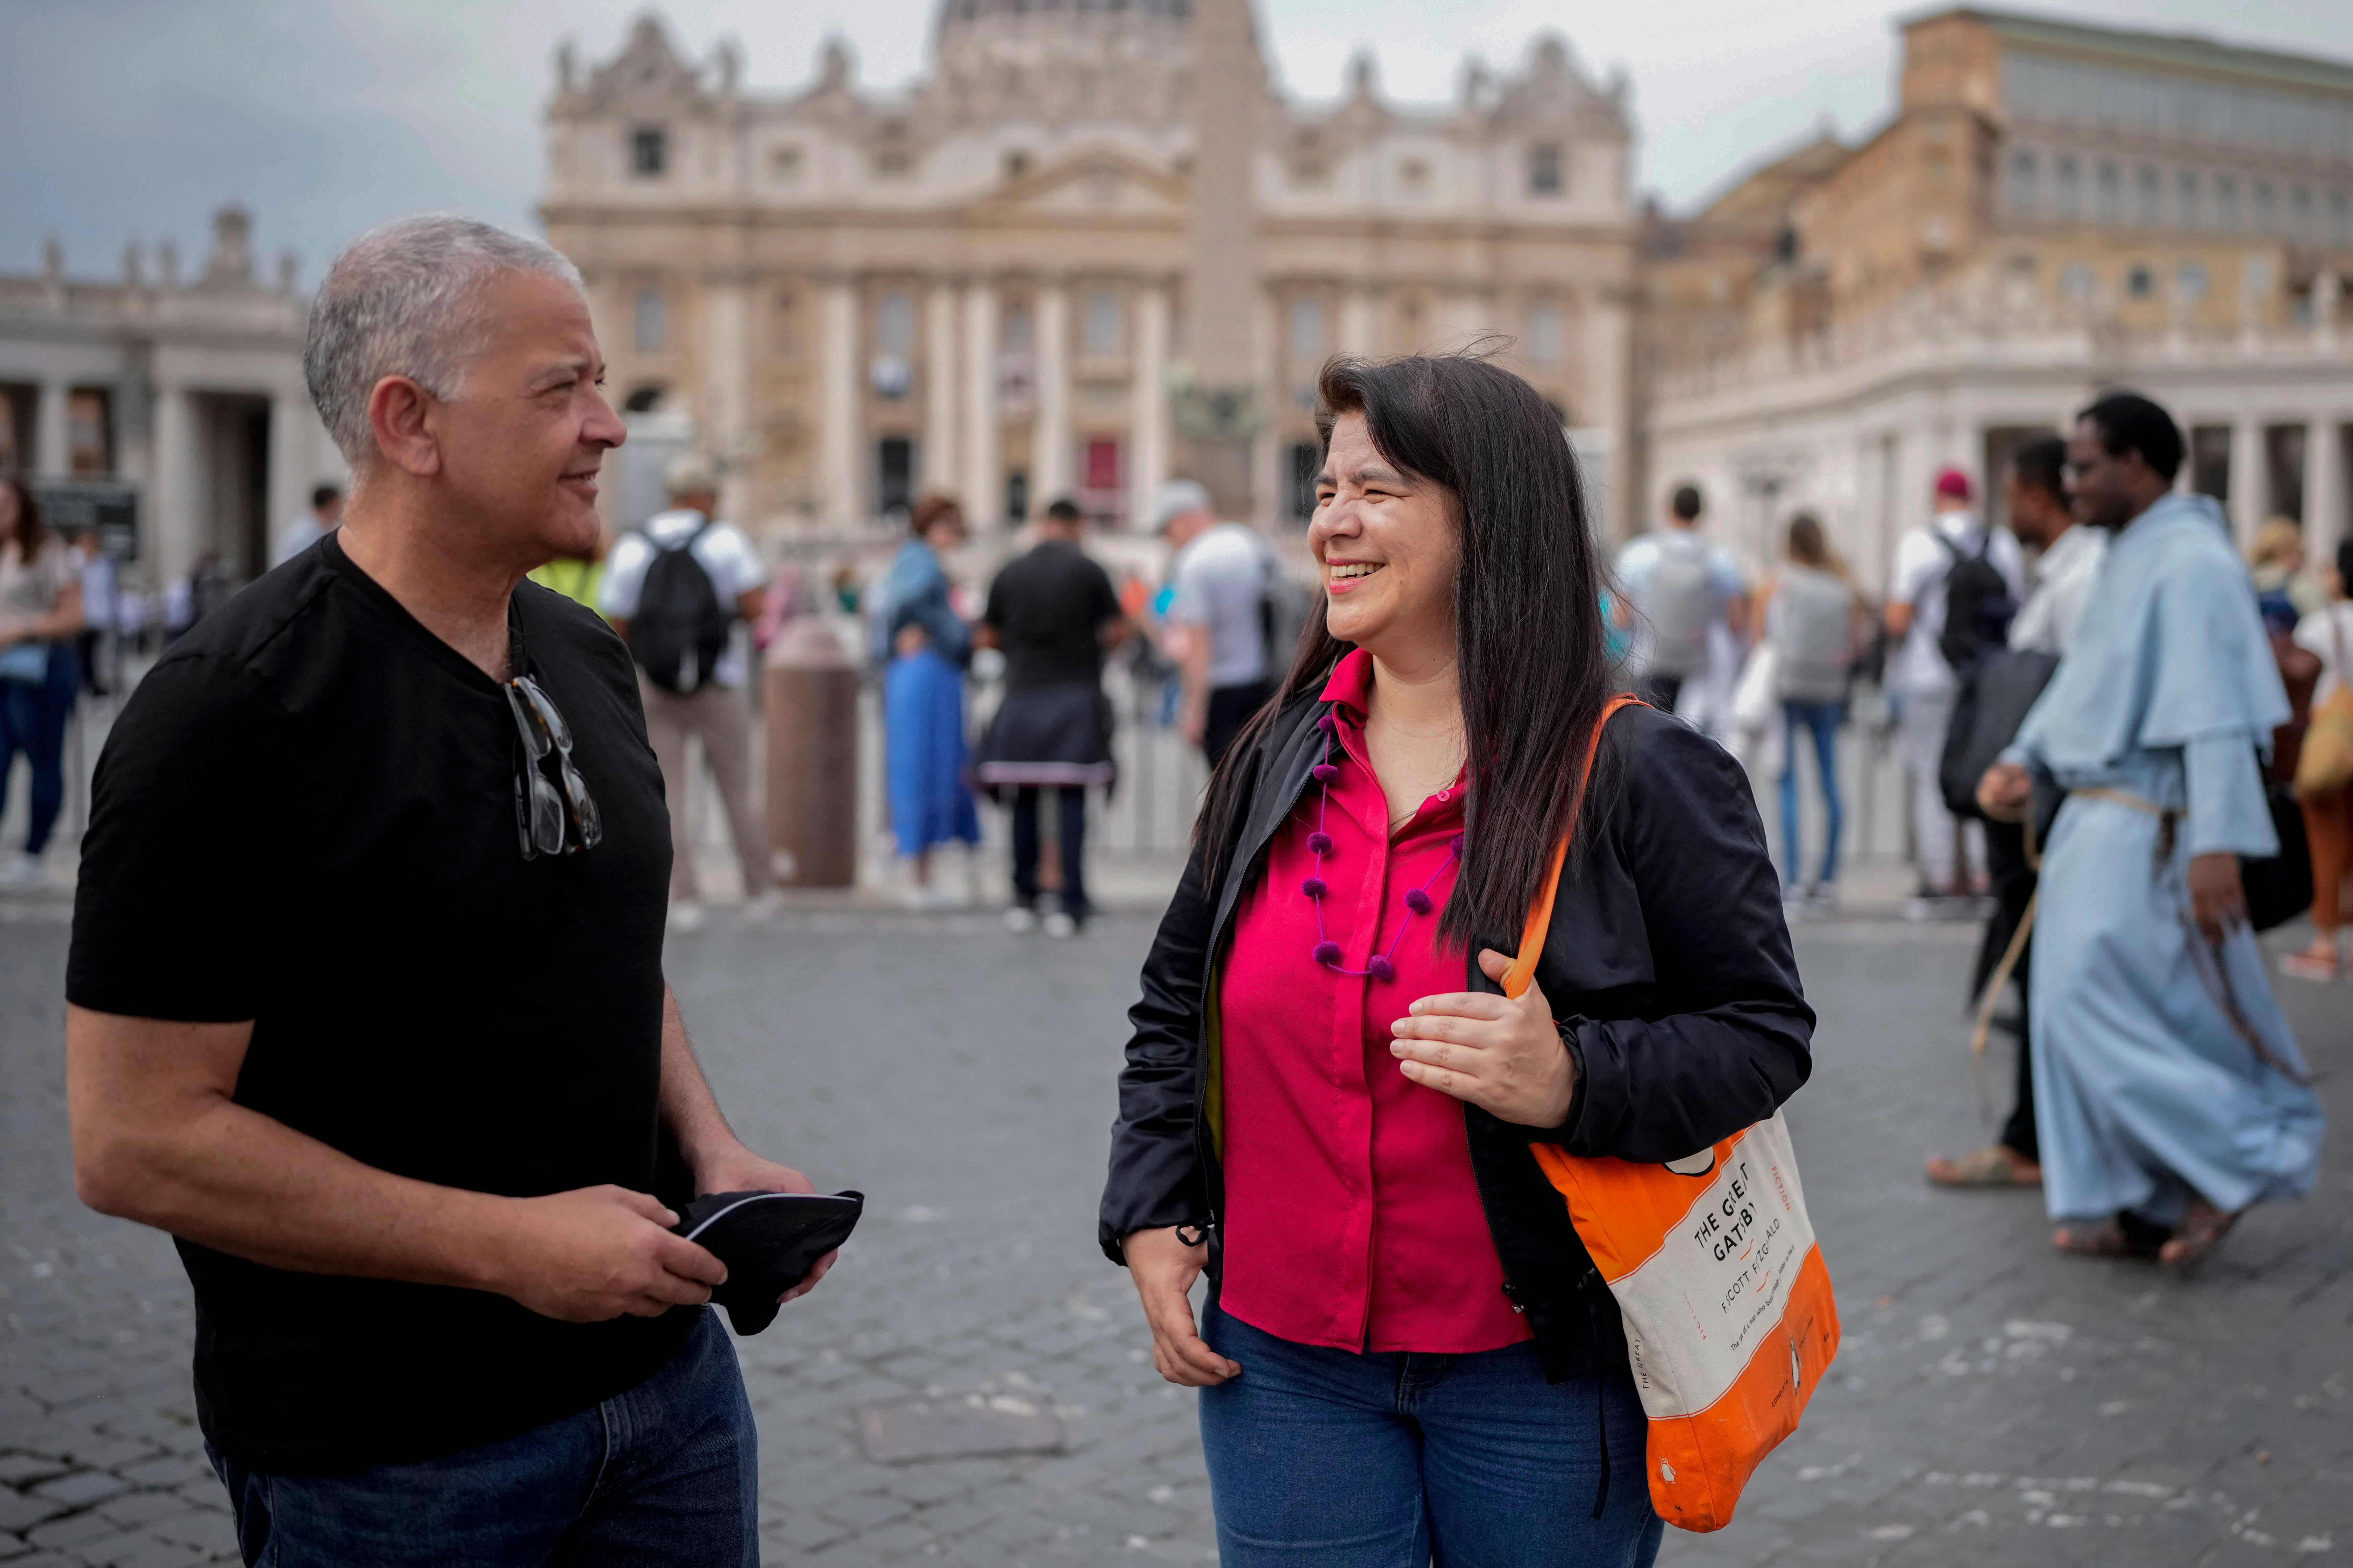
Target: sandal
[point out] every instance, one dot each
(1992, 1166)
(2101, 1238)
(2305, 965)
(2201, 1230)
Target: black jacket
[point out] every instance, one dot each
(1667, 960)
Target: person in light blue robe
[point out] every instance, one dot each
(2169, 1094)
(924, 646)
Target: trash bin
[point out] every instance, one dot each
(810, 684)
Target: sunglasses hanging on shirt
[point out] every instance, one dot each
(549, 823)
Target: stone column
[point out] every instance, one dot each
(1147, 459)
(172, 543)
(1049, 458)
(52, 456)
(290, 464)
(2324, 488)
(2250, 480)
(727, 329)
(1607, 331)
(1268, 502)
(939, 454)
(1359, 318)
(983, 489)
(840, 494)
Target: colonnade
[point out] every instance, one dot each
(964, 410)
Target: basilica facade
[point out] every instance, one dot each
(980, 284)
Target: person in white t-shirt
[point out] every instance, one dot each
(702, 694)
(1923, 684)
(1221, 572)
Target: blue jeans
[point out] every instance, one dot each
(665, 1473)
(33, 720)
(1325, 1459)
(1824, 720)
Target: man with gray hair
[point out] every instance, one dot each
(674, 590)
(1224, 573)
(411, 1093)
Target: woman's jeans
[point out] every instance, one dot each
(664, 1476)
(33, 720)
(1824, 720)
(1324, 1459)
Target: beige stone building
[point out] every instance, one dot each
(980, 284)
(2051, 210)
(170, 408)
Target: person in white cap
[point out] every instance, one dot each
(1221, 573)
(674, 590)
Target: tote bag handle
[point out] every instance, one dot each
(1517, 978)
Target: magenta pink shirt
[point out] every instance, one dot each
(1352, 1216)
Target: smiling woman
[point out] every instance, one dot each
(1330, 1104)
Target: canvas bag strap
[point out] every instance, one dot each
(1532, 936)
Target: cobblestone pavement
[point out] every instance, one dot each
(1993, 1403)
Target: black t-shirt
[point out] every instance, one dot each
(1049, 607)
(305, 817)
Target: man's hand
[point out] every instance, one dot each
(911, 639)
(2006, 793)
(599, 1252)
(1504, 1055)
(735, 1169)
(1164, 1269)
(1193, 720)
(2217, 898)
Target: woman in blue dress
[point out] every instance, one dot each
(926, 646)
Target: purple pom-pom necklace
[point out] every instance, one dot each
(1381, 965)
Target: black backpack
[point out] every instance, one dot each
(1978, 606)
(681, 627)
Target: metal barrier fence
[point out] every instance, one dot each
(1147, 818)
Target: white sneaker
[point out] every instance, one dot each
(21, 870)
(1020, 920)
(685, 915)
(1061, 927)
(764, 906)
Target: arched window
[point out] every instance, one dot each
(649, 321)
(1546, 338)
(1103, 328)
(895, 323)
(2022, 195)
(1548, 174)
(648, 151)
(1306, 328)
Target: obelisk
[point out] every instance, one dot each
(1222, 414)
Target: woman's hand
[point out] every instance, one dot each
(911, 639)
(1505, 1056)
(1164, 1269)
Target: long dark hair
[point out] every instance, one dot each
(1527, 615)
(30, 533)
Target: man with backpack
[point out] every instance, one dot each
(1678, 586)
(1956, 585)
(674, 590)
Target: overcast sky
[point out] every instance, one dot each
(135, 118)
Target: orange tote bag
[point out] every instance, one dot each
(1729, 1314)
